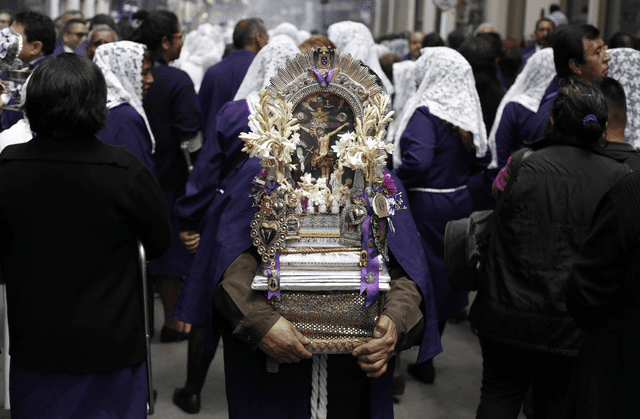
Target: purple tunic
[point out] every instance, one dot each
(126, 127)
(538, 123)
(433, 158)
(172, 111)
(512, 131)
(117, 394)
(219, 86)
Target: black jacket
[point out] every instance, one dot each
(71, 211)
(544, 221)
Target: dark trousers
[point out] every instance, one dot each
(507, 373)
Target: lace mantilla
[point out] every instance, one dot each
(404, 83)
(355, 38)
(529, 87)
(625, 68)
(121, 63)
(448, 89)
(265, 65)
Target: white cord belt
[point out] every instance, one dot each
(430, 190)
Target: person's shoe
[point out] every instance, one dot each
(168, 334)
(460, 317)
(190, 403)
(424, 372)
(397, 384)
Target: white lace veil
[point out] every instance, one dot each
(121, 63)
(265, 65)
(288, 29)
(448, 89)
(529, 86)
(625, 68)
(355, 38)
(404, 84)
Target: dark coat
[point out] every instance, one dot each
(603, 296)
(70, 215)
(544, 221)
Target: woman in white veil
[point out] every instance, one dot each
(440, 134)
(511, 128)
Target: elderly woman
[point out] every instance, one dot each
(526, 334)
(126, 67)
(71, 212)
(440, 133)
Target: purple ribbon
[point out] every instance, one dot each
(370, 274)
(321, 79)
(268, 189)
(276, 273)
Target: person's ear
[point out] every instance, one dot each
(166, 43)
(575, 68)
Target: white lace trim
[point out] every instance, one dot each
(448, 89)
(404, 83)
(266, 64)
(625, 68)
(121, 64)
(355, 38)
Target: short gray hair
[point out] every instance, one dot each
(103, 27)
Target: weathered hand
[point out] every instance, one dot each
(190, 239)
(284, 343)
(374, 356)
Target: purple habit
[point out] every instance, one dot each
(126, 127)
(513, 130)
(432, 157)
(219, 86)
(538, 123)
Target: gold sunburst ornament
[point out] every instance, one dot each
(366, 148)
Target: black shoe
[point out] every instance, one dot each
(190, 403)
(424, 372)
(170, 335)
(397, 384)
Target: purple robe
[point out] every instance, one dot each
(219, 86)
(432, 157)
(172, 111)
(538, 123)
(512, 131)
(126, 127)
(117, 394)
(527, 52)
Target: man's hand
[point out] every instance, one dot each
(284, 343)
(374, 356)
(190, 239)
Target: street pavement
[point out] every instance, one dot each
(454, 395)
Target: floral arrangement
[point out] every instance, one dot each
(315, 190)
(366, 147)
(276, 137)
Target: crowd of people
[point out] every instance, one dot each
(131, 131)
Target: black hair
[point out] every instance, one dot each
(228, 49)
(579, 110)
(154, 27)
(102, 19)
(456, 38)
(621, 40)
(495, 41)
(70, 23)
(53, 105)
(481, 56)
(545, 19)
(554, 8)
(37, 27)
(387, 61)
(615, 97)
(510, 64)
(432, 40)
(567, 43)
(246, 31)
